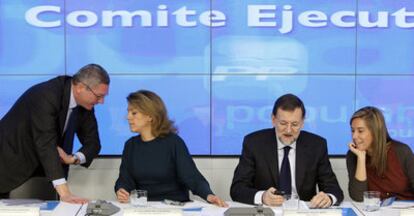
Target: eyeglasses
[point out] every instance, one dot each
(98, 97)
(294, 125)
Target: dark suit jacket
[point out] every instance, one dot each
(33, 128)
(258, 167)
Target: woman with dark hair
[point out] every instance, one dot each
(157, 160)
(375, 162)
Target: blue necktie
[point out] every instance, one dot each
(285, 176)
(69, 134)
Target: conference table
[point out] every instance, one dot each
(195, 208)
(198, 208)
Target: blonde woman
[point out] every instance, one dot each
(377, 162)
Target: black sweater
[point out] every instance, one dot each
(163, 167)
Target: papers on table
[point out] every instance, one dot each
(19, 211)
(21, 202)
(314, 212)
(34, 203)
(65, 208)
(153, 212)
(402, 205)
(43, 205)
(188, 206)
(407, 212)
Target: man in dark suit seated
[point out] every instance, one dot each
(36, 134)
(285, 159)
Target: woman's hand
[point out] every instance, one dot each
(122, 195)
(360, 154)
(213, 199)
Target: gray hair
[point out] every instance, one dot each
(92, 75)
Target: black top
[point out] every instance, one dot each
(163, 167)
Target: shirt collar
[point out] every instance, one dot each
(72, 101)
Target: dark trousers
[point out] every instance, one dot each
(5, 195)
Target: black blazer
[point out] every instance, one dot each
(258, 167)
(33, 128)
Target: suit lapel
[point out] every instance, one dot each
(301, 161)
(272, 156)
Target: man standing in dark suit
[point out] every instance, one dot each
(269, 155)
(36, 134)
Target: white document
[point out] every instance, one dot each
(67, 209)
(152, 212)
(19, 211)
(188, 206)
(402, 205)
(314, 212)
(407, 212)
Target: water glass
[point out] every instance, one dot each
(372, 200)
(291, 202)
(138, 198)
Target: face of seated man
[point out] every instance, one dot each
(288, 125)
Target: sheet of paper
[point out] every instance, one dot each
(153, 212)
(188, 206)
(19, 211)
(313, 212)
(67, 209)
(22, 202)
(402, 205)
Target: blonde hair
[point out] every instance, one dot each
(151, 104)
(381, 140)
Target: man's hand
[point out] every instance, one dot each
(73, 199)
(213, 199)
(271, 199)
(320, 200)
(67, 196)
(122, 195)
(65, 158)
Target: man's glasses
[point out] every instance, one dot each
(98, 97)
(294, 125)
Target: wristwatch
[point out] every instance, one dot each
(77, 159)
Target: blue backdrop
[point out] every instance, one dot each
(220, 65)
